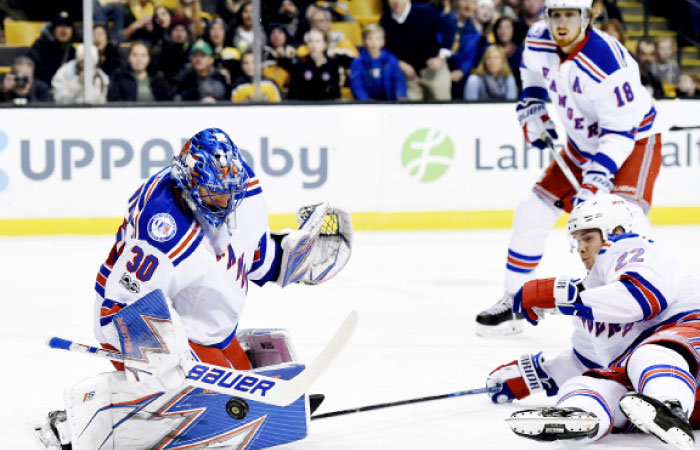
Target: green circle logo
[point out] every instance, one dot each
(427, 154)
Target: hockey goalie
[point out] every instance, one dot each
(169, 299)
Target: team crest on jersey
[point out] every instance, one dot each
(162, 227)
(545, 72)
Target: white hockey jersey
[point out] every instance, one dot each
(160, 245)
(596, 91)
(634, 289)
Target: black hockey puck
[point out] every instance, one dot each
(237, 408)
(559, 204)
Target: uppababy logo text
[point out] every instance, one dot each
(4, 179)
(427, 154)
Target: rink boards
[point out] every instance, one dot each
(396, 167)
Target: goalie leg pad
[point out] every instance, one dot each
(267, 346)
(109, 413)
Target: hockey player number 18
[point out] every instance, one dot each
(629, 95)
(143, 266)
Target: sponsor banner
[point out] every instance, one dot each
(86, 162)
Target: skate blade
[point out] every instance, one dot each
(36, 430)
(533, 424)
(642, 415)
(508, 328)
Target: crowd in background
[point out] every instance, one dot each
(201, 50)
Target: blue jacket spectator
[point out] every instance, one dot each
(375, 74)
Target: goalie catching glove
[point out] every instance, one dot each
(520, 378)
(319, 249)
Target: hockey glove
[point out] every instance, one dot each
(596, 180)
(333, 246)
(297, 245)
(520, 378)
(534, 119)
(561, 294)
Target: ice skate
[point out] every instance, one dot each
(499, 320)
(665, 420)
(52, 434)
(553, 423)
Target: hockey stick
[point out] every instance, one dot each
(679, 128)
(562, 165)
(240, 383)
(342, 412)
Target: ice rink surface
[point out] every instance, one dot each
(417, 294)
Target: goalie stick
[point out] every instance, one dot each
(240, 383)
(342, 412)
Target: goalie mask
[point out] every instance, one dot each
(602, 212)
(210, 172)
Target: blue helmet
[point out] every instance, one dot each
(210, 166)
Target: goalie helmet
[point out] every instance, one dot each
(584, 6)
(209, 166)
(603, 212)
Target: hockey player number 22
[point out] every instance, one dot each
(628, 94)
(143, 266)
(636, 256)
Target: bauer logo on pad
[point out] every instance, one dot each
(162, 227)
(228, 379)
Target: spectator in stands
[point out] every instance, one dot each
(244, 90)
(504, 33)
(139, 20)
(412, 32)
(68, 82)
(161, 23)
(286, 13)
(226, 58)
(507, 8)
(688, 86)
(375, 74)
(109, 57)
(53, 48)
(20, 87)
(646, 57)
(338, 9)
(316, 76)
(492, 79)
(666, 67)
(107, 11)
(200, 81)
(616, 29)
(133, 83)
(530, 12)
(466, 54)
(339, 46)
(278, 57)
(172, 53)
(484, 20)
(243, 33)
(192, 10)
(228, 10)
